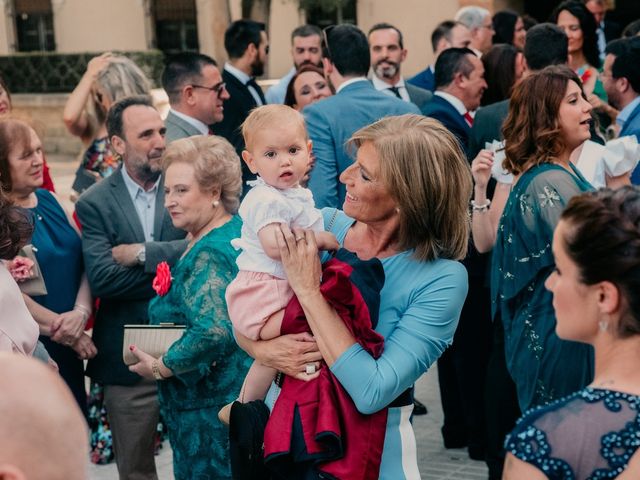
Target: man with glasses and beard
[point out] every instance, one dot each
(387, 53)
(196, 94)
(247, 46)
(306, 49)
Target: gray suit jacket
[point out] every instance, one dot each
(108, 218)
(331, 122)
(177, 128)
(418, 96)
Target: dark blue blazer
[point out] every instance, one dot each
(425, 79)
(442, 110)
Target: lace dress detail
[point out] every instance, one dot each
(591, 434)
(208, 365)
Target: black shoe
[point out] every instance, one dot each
(419, 408)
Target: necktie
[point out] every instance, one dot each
(253, 84)
(396, 91)
(468, 118)
(211, 132)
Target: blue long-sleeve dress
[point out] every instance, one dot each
(420, 305)
(207, 364)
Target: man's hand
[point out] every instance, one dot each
(126, 255)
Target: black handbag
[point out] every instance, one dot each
(247, 422)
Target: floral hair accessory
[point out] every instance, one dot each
(20, 268)
(162, 283)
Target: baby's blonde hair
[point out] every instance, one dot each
(266, 116)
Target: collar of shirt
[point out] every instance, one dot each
(134, 189)
(383, 86)
(626, 111)
(194, 122)
(349, 82)
(239, 74)
(453, 100)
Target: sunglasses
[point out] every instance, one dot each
(217, 88)
(325, 37)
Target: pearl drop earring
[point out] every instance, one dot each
(215, 203)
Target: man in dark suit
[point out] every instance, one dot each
(387, 54)
(448, 34)
(247, 46)
(333, 120)
(196, 94)
(126, 232)
(459, 84)
(621, 80)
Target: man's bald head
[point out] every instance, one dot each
(42, 431)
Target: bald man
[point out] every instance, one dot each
(42, 432)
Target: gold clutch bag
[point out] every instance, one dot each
(152, 339)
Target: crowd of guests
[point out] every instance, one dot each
(324, 243)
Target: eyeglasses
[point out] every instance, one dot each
(325, 37)
(218, 88)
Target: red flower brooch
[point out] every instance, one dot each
(162, 283)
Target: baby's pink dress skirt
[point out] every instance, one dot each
(252, 297)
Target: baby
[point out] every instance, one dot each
(277, 149)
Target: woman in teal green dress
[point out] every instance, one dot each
(203, 370)
(548, 118)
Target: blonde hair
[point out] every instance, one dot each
(426, 173)
(216, 165)
(121, 78)
(268, 115)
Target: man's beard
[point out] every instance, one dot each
(309, 62)
(257, 68)
(389, 71)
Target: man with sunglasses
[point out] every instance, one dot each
(196, 94)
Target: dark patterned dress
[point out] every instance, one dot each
(590, 434)
(543, 367)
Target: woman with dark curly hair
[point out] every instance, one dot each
(592, 433)
(549, 117)
(18, 331)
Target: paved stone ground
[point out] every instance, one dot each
(434, 461)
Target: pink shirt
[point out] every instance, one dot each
(18, 330)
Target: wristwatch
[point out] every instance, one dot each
(141, 256)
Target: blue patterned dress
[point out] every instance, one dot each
(590, 434)
(544, 367)
(208, 365)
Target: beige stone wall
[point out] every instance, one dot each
(285, 17)
(415, 18)
(95, 25)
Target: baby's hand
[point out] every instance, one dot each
(326, 241)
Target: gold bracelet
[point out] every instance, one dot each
(155, 369)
